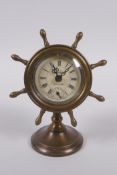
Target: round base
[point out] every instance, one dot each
(57, 144)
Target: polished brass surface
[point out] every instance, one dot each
(39, 118)
(100, 63)
(17, 58)
(57, 139)
(78, 38)
(98, 97)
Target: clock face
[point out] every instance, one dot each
(58, 78)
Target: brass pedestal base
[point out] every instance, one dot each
(57, 139)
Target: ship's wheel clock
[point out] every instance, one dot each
(57, 78)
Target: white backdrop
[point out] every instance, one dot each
(20, 22)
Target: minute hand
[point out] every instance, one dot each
(63, 73)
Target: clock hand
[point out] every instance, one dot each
(63, 73)
(54, 69)
(59, 75)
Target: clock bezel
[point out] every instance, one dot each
(28, 79)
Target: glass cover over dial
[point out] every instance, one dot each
(58, 78)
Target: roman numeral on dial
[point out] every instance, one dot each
(71, 86)
(44, 85)
(72, 71)
(42, 78)
(45, 70)
(50, 91)
(74, 79)
(59, 63)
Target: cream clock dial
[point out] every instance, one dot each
(58, 79)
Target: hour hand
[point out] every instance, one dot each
(54, 69)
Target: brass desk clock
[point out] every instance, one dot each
(57, 78)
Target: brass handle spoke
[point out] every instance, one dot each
(98, 97)
(98, 64)
(73, 120)
(39, 118)
(44, 37)
(17, 93)
(17, 58)
(77, 39)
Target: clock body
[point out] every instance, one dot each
(58, 78)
